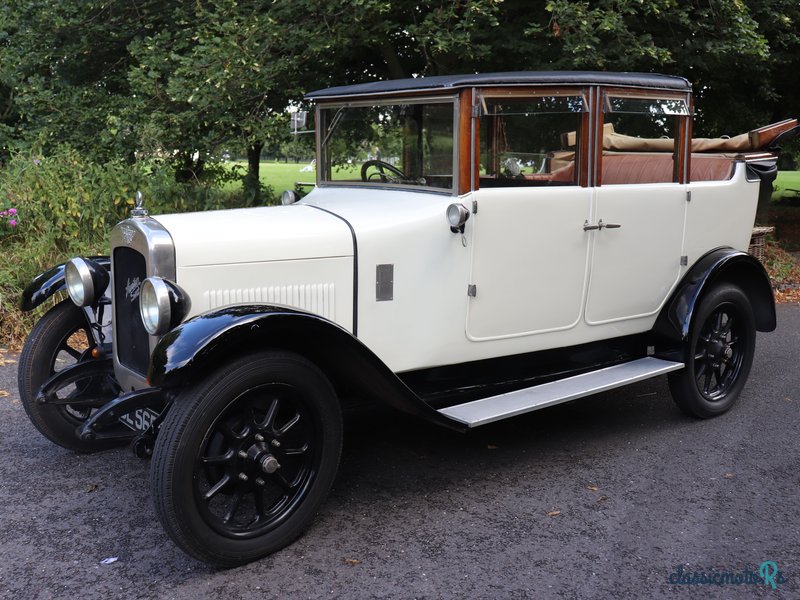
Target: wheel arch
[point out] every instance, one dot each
(199, 345)
(48, 283)
(721, 265)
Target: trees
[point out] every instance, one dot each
(210, 81)
(731, 51)
(64, 66)
(186, 80)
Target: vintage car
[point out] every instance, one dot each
(475, 247)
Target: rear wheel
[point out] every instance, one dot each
(720, 354)
(245, 459)
(60, 339)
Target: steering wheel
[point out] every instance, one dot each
(380, 166)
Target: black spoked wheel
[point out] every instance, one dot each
(722, 343)
(244, 460)
(60, 339)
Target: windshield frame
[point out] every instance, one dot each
(323, 136)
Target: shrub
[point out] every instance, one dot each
(64, 205)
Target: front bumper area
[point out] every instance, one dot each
(106, 424)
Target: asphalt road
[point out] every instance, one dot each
(420, 512)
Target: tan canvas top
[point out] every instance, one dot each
(754, 140)
(627, 143)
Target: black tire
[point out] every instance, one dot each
(60, 338)
(719, 356)
(210, 477)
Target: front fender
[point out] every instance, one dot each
(721, 265)
(50, 282)
(200, 345)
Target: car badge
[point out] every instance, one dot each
(128, 233)
(132, 288)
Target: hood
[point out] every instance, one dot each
(269, 233)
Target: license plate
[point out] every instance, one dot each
(139, 420)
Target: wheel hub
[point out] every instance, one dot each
(260, 455)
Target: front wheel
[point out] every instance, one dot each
(719, 356)
(244, 460)
(60, 339)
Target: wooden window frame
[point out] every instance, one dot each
(683, 133)
(472, 100)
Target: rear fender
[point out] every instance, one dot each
(200, 345)
(721, 265)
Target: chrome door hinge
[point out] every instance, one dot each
(472, 290)
(474, 207)
(688, 195)
(684, 261)
(476, 111)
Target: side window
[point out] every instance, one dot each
(639, 139)
(530, 140)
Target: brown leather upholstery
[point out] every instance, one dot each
(711, 168)
(657, 167)
(645, 167)
(642, 167)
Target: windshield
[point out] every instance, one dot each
(395, 144)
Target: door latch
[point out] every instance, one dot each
(587, 227)
(600, 225)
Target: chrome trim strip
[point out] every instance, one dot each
(148, 237)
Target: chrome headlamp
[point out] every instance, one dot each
(86, 280)
(162, 305)
(289, 197)
(457, 215)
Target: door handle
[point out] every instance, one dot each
(609, 225)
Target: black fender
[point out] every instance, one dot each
(721, 265)
(198, 346)
(50, 282)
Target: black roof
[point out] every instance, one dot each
(443, 82)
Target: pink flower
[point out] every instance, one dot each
(12, 211)
(13, 223)
(3, 213)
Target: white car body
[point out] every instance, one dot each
(563, 287)
(476, 247)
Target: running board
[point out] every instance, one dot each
(495, 408)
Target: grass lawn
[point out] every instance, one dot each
(281, 176)
(787, 180)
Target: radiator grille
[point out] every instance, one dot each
(317, 298)
(132, 341)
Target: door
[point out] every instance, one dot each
(635, 265)
(530, 258)
(640, 207)
(530, 254)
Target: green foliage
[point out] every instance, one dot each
(724, 47)
(188, 80)
(156, 90)
(63, 66)
(66, 205)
